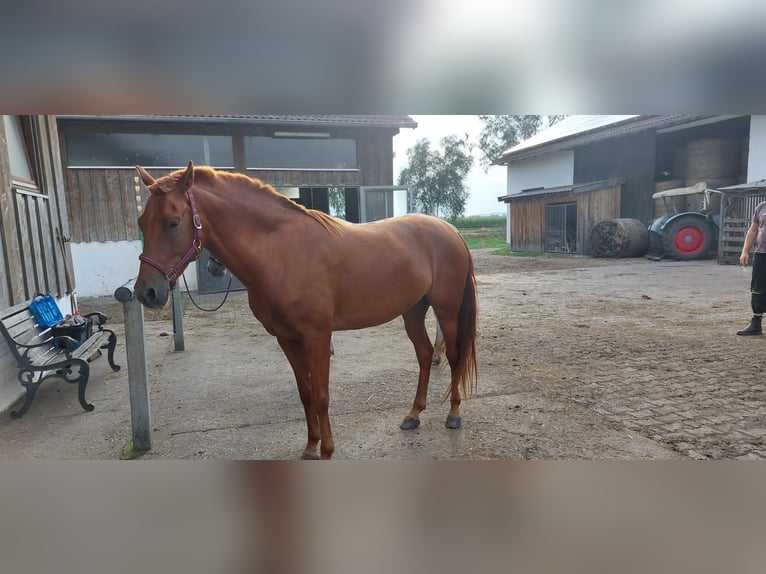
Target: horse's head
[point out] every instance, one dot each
(172, 234)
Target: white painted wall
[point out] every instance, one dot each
(550, 170)
(99, 268)
(756, 161)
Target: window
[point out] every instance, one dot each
(299, 153)
(96, 149)
(384, 202)
(20, 155)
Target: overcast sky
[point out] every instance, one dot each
(483, 188)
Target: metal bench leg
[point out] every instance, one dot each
(110, 354)
(82, 382)
(26, 378)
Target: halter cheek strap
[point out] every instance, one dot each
(171, 273)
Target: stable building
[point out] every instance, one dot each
(565, 179)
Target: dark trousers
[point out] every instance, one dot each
(758, 284)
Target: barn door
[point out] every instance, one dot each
(561, 228)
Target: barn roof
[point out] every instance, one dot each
(380, 121)
(574, 188)
(578, 130)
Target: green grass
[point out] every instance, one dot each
(477, 221)
(505, 251)
(481, 232)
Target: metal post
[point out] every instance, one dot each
(178, 323)
(138, 382)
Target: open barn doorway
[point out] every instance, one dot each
(561, 228)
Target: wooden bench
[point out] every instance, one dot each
(41, 356)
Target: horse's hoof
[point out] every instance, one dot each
(453, 423)
(305, 456)
(409, 423)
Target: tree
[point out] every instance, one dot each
(436, 177)
(337, 198)
(503, 132)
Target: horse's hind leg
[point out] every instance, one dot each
(449, 333)
(414, 323)
(295, 355)
(438, 346)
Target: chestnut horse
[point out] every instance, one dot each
(308, 274)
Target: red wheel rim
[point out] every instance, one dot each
(689, 239)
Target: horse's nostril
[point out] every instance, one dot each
(150, 295)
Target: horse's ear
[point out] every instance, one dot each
(145, 177)
(188, 177)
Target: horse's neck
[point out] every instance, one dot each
(240, 222)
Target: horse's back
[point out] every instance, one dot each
(381, 269)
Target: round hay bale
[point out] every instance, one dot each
(621, 237)
(712, 158)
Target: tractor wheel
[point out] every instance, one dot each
(687, 237)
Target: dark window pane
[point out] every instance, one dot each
(299, 153)
(148, 150)
(378, 204)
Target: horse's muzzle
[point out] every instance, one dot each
(154, 297)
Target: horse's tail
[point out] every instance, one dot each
(466, 372)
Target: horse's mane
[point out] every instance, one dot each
(211, 177)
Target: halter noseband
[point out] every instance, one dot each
(171, 273)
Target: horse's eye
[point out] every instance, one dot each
(173, 223)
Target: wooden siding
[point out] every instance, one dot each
(528, 216)
(528, 224)
(375, 156)
(28, 221)
(102, 203)
(631, 157)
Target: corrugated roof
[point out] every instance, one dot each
(324, 120)
(577, 130)
(574, 188)
(568, 127)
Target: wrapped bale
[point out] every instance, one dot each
(619, 238)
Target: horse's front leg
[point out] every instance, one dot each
(297, 357)
(317, 348)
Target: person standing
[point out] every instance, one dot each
(756, 236)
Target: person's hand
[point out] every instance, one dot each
(744, 258)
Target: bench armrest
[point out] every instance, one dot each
(102, 319)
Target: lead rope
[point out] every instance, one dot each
(188, 292)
